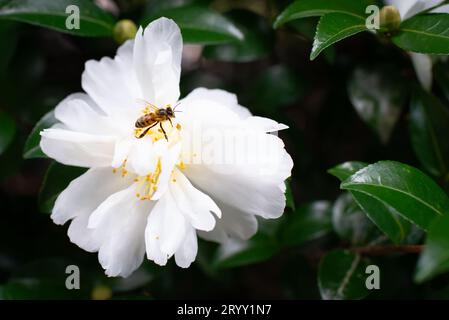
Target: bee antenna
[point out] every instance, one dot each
(174, 108)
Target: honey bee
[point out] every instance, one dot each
(152, 119)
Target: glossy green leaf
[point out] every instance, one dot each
(429, 131)
(200, 25)
(383, 216)
(434, 260)
(7, 131)
(237, 253)
(56, 180)
(424, 34)
(32, 148)
(406, 189)
(257, 44)
(378, 94)
(351, 223)
(334, 27)
(341, 276)
(441, 71)
(94, 22)
(309, 222)
(346, 169)
(309, 8)
(290, 201)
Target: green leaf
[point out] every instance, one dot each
(406, 189)
(32, 148)
(378, 95)
(429, 132)
(434, 260)
(441, 71)
(309, 222)
(200, 25)
(94, 22)
(276, 87)
(7, 131)
(351, 223)
(237, 253)
(9, 35)
(334, 27)
(424, 34)
(257, 44)
(346, 169)
(44, 279)
(383, 216)
(341, 275)
(310, 8)
(56, 180)
(290, 201)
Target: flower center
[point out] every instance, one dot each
(147, 185)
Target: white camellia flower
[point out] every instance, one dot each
(422, 63)
(216, 169)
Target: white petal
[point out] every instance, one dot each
(186, 254)
(266, 125)
(166, 229)
(86, 193)
(119, 224)
(142, 158)
(410, 8)
(442, 9)
(194, 204)
(403, 6)
(234, 223)
(250, 184)
(77, 149)
(79, 113)
(153, 240)
(113, 85)
(81, 198)
(222, 97)
(168, 161)
(157, 61)
(423, 66)
(122, 150)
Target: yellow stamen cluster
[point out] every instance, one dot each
(182, 165)
(147, 185)
(121, 169)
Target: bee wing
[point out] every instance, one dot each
(146, 104)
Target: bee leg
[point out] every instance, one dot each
(162, 128)
(146, 131)
(170, 122)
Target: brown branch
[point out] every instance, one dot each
(388, 249)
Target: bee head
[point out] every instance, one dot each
(170, 112)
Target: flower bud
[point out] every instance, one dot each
(390, 18)
(124, 30)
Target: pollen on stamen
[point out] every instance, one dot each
(178, 126)
(182, 165)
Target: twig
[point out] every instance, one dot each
(384, 250)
